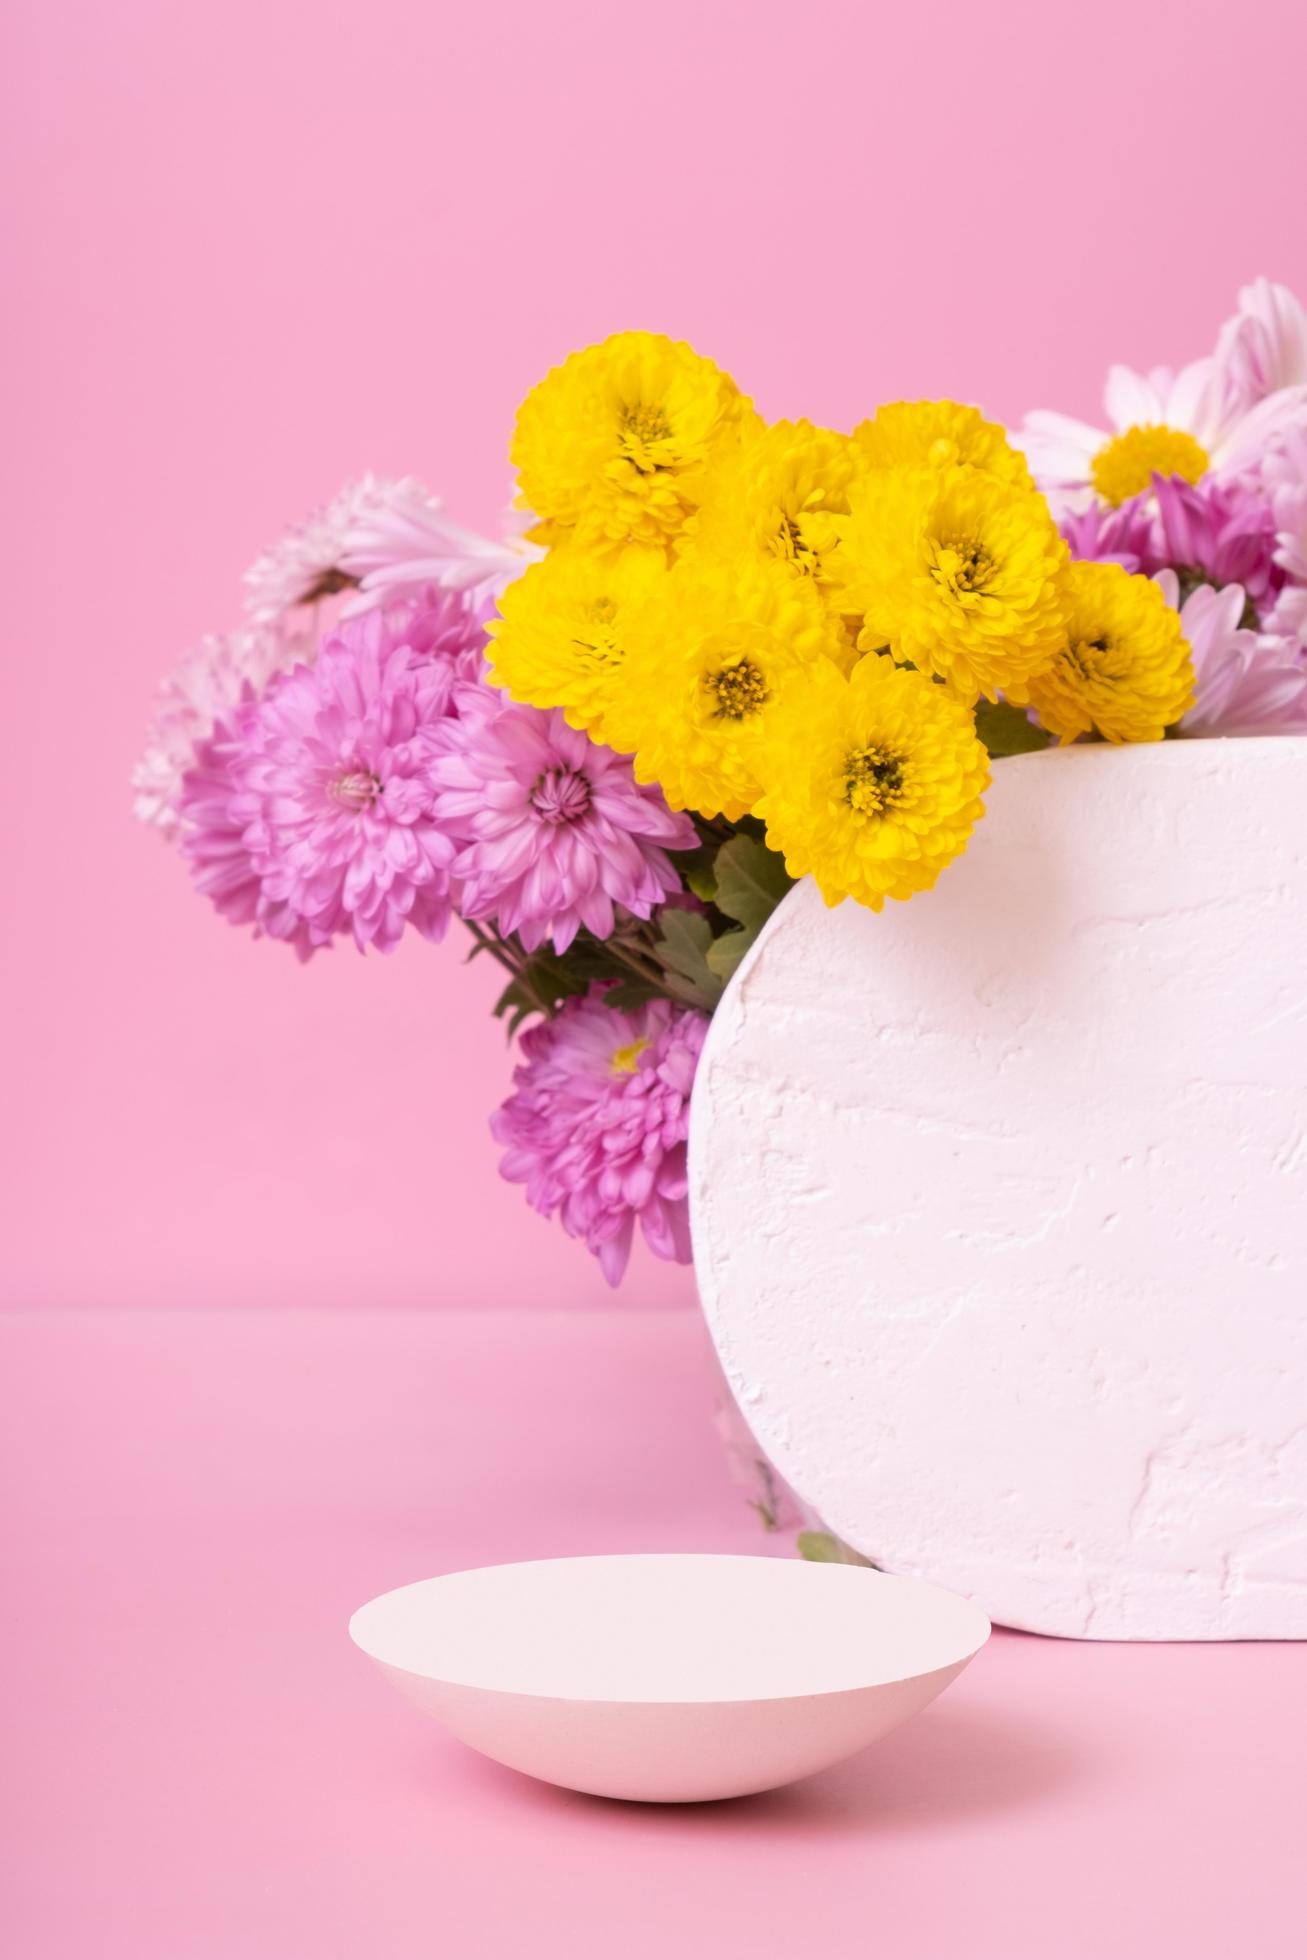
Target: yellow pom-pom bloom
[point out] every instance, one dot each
(872, 783)
(705, 665)
(781, 492)
(935, 436)
(1124, 669)
(611, 446)
(562, 630)
(957, 572)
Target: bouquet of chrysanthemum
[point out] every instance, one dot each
(723, 655)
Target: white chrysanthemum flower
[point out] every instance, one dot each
(1220, 415)
(1246, 683)
(388, 537)
(305, 565)
(207, 681)
(404, 543)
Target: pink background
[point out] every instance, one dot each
(257, 248)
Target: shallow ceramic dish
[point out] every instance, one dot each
(670, 1677)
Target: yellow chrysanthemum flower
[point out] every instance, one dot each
(611, 446)
(561, 634)
(957, 572)
(872, 782)
(1124, 668)
(935, 436)
(703, 669)
(781, 492)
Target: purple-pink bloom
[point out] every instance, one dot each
(596, 1125)
(332, 792)
(1120, 536)
(555, 831)
(1222, 529)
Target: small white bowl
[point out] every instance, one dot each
(670, 1677)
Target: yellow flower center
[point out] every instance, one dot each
(797, 549)
(962, 566)
(642, 426)
(737, 691)
(873, 779)
(1086, 657)
(357, 789)
(1127, 464)
(624, 1059)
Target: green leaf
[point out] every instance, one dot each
(631, 992)
(824, 1548)
(683, 950)
(725, 954)
(751, 882)
(1005, 730)
(701, 880)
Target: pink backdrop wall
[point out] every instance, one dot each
(256, 248)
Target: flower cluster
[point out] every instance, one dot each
(713, 655)
(1199, 483)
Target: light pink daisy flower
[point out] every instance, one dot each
(555, 831)
(1198, 420)
(1264, 347)
(1286, 474)
(1247, 683)
(596, 1125)
(201, 691)
(332, 792)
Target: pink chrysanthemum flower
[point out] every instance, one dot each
(1247, 683)
(213, 839)
(447, 626)
(201, 691)
(596, 1125)
(556, 832)
(332, 792)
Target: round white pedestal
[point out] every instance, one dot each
(998, 1200)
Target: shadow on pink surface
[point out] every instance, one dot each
(946, 1765)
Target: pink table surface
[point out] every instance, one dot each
(198, 1765)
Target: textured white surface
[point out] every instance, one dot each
(998, 1200)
